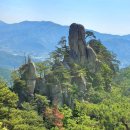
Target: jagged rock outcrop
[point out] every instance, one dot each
(46, 86)
(28, 74)
(80, 52)
(49, 86)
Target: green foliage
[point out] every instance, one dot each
(61, 52)
(24, 120)
(38, 104)
(41, 68)
(109, 114)
(41, 102)
(1, 127)
(15, 75)
(108, 66)
(90, 34)
(106, 104)
(78, 120)
(19, 86)
(13, 118)
(105, 56)
(7, 98)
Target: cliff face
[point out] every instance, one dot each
(80, 52)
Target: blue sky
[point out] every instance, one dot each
(108, 16)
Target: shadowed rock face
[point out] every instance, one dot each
(28, 73)
(77, 42)
(79, 51)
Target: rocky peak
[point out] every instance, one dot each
(28, 73)
(77, 41)
(80, 52)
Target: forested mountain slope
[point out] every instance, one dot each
(80, 87)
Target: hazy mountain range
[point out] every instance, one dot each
(39, 38)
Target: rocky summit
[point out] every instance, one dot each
(80, 52)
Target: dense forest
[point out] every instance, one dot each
(79, 87)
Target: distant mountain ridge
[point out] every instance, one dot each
(10, 61)
(38, 38)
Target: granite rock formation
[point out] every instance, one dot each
(28, 74)
(80, 52)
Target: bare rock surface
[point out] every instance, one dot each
(80, 52)
(28, 73)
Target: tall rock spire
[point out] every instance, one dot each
(28, 73)
(80, 52)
